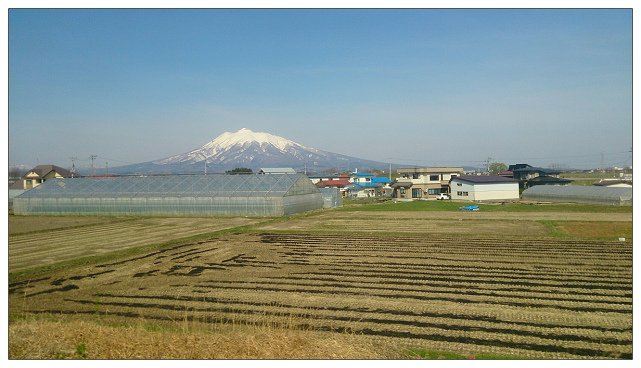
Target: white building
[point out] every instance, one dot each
(484, 188)
(276, 170)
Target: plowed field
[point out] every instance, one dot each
(467, 292)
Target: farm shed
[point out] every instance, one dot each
(484, 188)
(173, 195)
(579, 194)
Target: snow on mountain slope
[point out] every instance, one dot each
(244, 144)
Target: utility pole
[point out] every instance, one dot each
(73, 166)
(487, 164)
(93, 170)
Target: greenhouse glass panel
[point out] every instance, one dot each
(175, 195)
(579, 194)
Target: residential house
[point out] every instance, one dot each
(424, 182)
(318, 178)
(40, 173)
(333, 183)
(360, 178)
(364, 190)
(365, 185)
(367, 190)
(340, 184)
(484, 188)
(529, 176)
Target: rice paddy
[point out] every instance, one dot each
(470, 292)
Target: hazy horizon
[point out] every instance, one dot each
(419, 86)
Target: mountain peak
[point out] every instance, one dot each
(244, 135)
(236, 144)
(246, 148)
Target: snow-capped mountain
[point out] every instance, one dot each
(244, 145)
(253, 150)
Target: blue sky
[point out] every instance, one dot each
(425, 87)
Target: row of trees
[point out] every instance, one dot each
(240, 170)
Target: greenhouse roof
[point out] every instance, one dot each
(576, 191)
(216, 185)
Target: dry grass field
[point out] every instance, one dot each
(36, 241)
(26, 224)
(338, 284)
(505, 224)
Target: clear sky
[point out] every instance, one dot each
(425, 87)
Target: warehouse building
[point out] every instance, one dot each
(484, 188)
(579, 194)
(173, 195)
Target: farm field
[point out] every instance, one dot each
(36, 241)
(448, 282)
(508, 224)
(25, 224)
(453, 205)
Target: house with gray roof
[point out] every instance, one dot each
(529, 176)
(40, 173)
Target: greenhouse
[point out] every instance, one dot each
(331, 197)
(173, 195)
(579, 194)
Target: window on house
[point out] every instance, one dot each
(415, 176)
(434, 178)
(434, 191)
(459, 184)
(464, 194)
(401, 190)
(459, 193)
